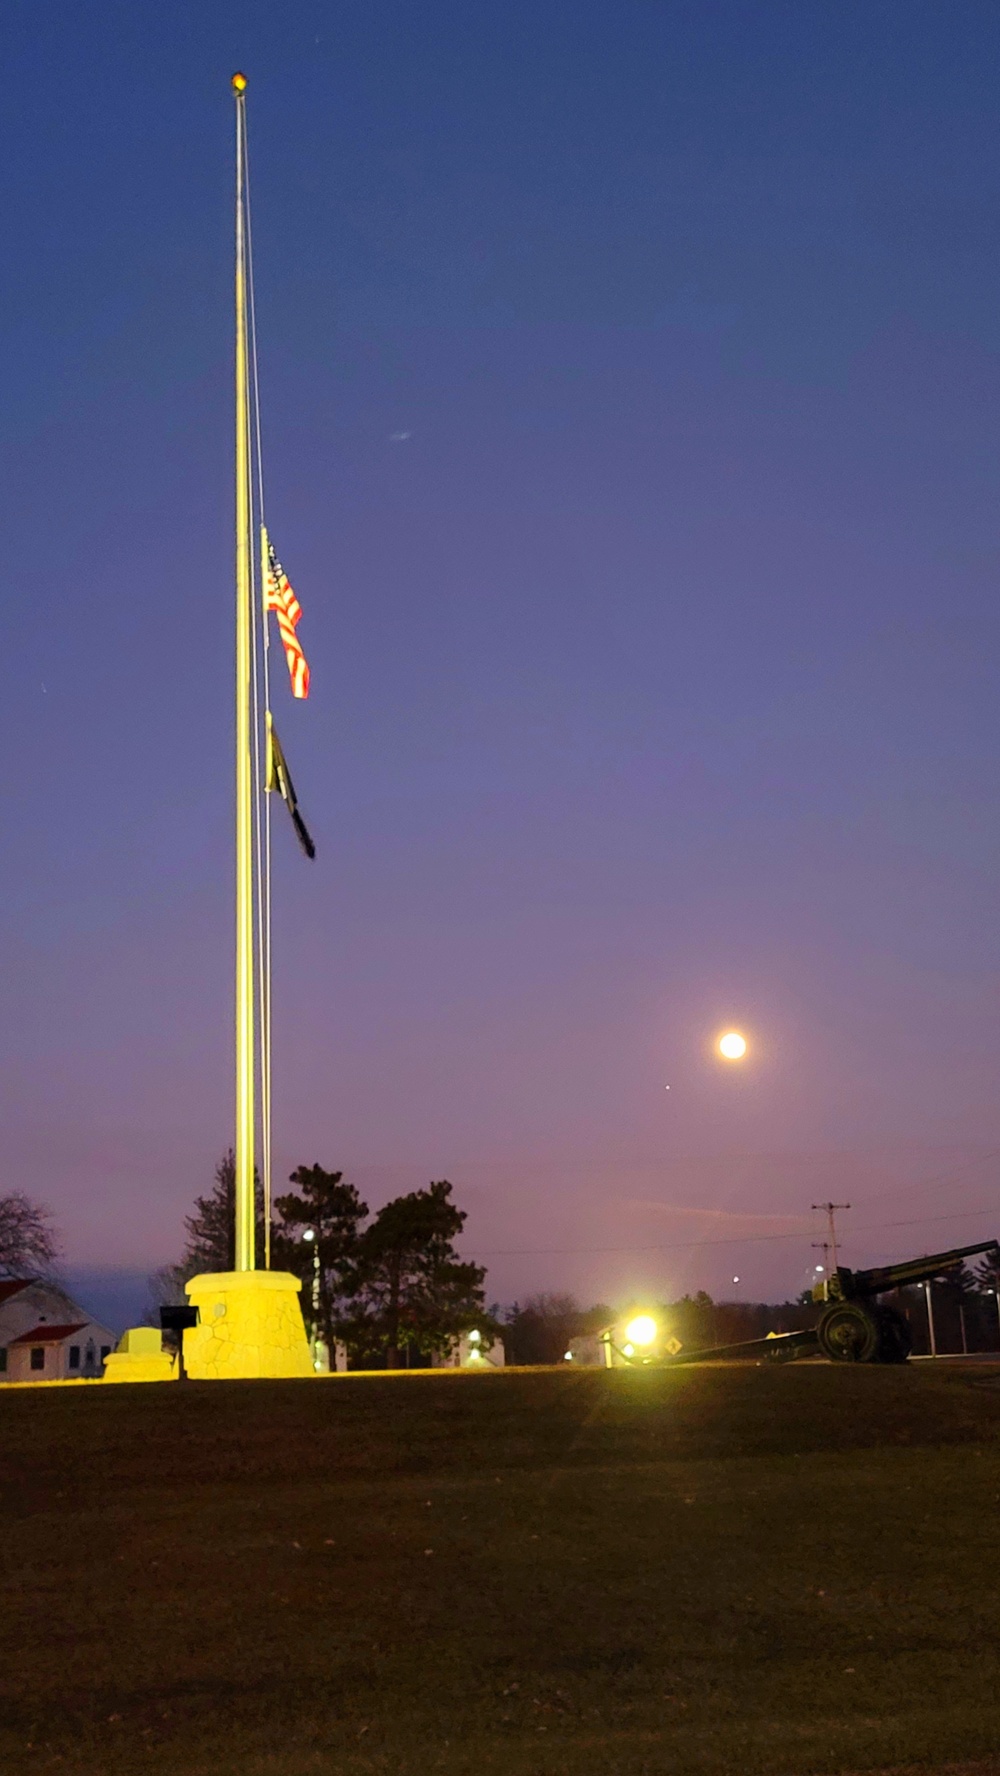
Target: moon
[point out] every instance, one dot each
(732, 1046)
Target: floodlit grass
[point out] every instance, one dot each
(750, 1570)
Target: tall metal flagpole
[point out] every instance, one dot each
(246, 1322)
(244, 1148)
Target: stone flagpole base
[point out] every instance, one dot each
(250, 1327)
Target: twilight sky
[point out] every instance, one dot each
(632, 408)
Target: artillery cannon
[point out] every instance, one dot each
(855, 1326)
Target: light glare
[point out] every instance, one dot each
(641, 1330)
(732, 1045)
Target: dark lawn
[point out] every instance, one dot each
(779, 1570)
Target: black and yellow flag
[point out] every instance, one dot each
(279, 777)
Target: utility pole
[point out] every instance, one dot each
(830, 1211)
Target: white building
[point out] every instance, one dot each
(590, 1351)
(472, 1351)
(46, 1336)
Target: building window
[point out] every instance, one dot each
(74, 1356)
(105, 1352)
(3, 1361)
(38, 1357)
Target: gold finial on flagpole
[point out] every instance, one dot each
(239, 84)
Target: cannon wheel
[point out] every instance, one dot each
(849, 1333)
(895, 1338)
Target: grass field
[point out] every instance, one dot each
(779, 1570)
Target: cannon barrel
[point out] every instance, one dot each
(860, 1285)
(776, 1345)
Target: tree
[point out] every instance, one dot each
(692, 1319)
(410, 1287)
(166, 1287)
(959, 1278)
(211, 1230)
(540, 1330)
(28, 1243)
(987, 1273)
(333, 1211)
(211, 1235)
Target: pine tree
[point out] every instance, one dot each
(332, 1210)
(211, 1235)
(411, 1286)
(539, 1329)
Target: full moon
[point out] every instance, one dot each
(732, 1045)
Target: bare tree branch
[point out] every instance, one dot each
(28, 1243)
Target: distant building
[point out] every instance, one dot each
(46, 1336)
(590, 1351)
(471, 1351)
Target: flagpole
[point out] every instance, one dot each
(244, 1147)
(248, 1321)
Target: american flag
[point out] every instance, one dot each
(279, 598)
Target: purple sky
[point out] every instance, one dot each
(632, 408)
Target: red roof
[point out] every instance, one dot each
(10, 1286)
(45, 1334)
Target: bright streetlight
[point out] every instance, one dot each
(641, 1330)
(732, 1046)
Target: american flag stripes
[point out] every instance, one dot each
(279, 598)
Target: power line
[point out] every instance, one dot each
(763, 1238)
(948, 1177)
(749, 1239)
